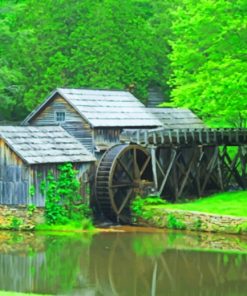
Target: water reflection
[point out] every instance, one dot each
(124, 264)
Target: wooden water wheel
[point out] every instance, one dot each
(123, 173)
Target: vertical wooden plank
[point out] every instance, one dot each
(198, 169)
(175, 180)
(154, 167)
(188, 171)
(172, 159)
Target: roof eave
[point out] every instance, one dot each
(58, 91)
(73, 106)
(39, 108)
(13, 149)
(60, 162)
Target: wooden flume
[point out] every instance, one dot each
(174, 164)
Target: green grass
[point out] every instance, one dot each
(84, 225)
(229, 203)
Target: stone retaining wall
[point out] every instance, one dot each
(20, 218)
(191, 220)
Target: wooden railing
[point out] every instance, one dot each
(209, 136)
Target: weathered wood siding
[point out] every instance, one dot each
(14, 177)
(74, 123)
(38, 173)
(106, 136)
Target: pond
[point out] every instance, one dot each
(124, 263)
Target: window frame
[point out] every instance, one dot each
(56, 116)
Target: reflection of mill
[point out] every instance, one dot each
(118, 269)
(122, 264)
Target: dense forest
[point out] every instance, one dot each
(194, 50)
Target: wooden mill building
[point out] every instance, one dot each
(94, 117)
(27, 154)
(71, 126)
(97, 117)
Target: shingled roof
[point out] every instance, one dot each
(36, 145)
(104, 108)
(173, 118)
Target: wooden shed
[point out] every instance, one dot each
(94, 117)
(27, 154)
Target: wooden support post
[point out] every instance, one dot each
(231, 165)
(185, 137)
(172, 160)
(146, 137)
(210, 169)
(243, 161)
(177, 136)
(198, 170)
(219, 169)
(154, 167)
(162, 139)
(138, 137)
(174, 176)
(170, 136)
(188, 171)
(207, 136)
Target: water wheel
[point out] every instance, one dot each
(123, 172)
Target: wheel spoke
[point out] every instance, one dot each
(145, 165)
(124, 168)
(125, 201)
(136, 170)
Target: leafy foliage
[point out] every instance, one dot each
(63, 202)
(31, 208)
(99, 44)
(175, 223)
(195, 50)
(16, 223)
(139, 203)
(208, 58)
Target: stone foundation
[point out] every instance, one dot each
(20, 218)
(190, 220)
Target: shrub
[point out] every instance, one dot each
(198, 224)
(174, 223)
(138, 204)
(16, 223)
(31, 208)
(63, 202)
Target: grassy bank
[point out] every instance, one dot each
(228, 203)
(86, 225)
(224, 213)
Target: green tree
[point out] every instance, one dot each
(71, 43)
(208, 58)
(99, 44)
(11, 78)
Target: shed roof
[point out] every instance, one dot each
(177, 118)
(104, 108)
(36, 145)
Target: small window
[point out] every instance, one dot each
(60, 116)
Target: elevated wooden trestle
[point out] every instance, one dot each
(194, 162)
(203, 136)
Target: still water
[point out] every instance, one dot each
(124, 263)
